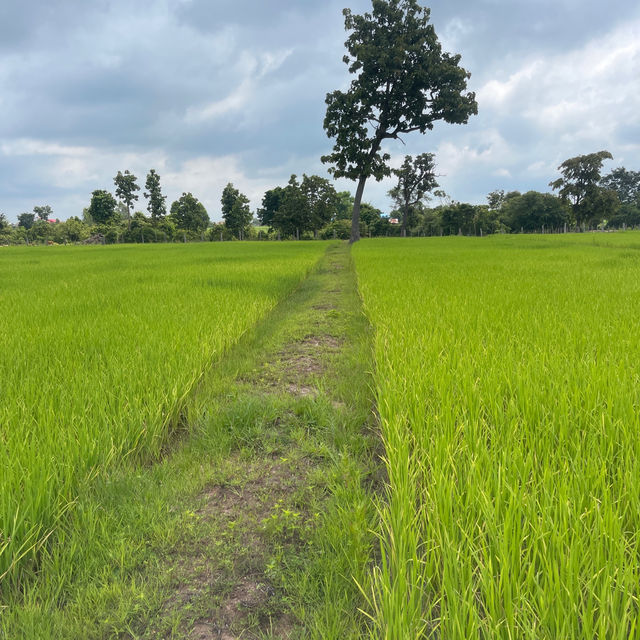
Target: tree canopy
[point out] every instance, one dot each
(126, 187)
(43, 212)
(156, 206)
(625, 183)
(189, 214)
(235, 211)
(26, 220)
(404, 82)
(103, 207)
(579, 185)
(534, 211)
(307, 205)
(271, 202)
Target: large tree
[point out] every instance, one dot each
(189, 214)
(126, 187)
(156, 207)
(404, 82)
(235, 211)
(579, 185)
(102, 209)
(416, 179)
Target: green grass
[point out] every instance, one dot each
(508, 389)
(101, 347)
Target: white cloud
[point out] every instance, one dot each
(584, 93)
(477, 151)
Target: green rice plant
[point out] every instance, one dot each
(100, 349)
(508, 389)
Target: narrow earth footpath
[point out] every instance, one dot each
(257, 522)
(299, 411)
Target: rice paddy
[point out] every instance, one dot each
(507, 386)
(508, 389)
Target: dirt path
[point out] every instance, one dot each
(277, 538)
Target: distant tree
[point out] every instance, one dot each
(142, 230)
(235, 211)
(339, 228)
(26, 220)
(41, 230)
(625, 183)
(458, 218)
(126, 186)
(429, 222)
(533, 211)
(495, 200)
(156, 206)
(102, 209)
(344, 206)
(271, 202)
(189, 214)
(371, 220)
(293, 214)
(416, 179)
(404, 83)
(579, 185)
(487, 220)
(74, 230)
(321, 200)
(43, 213)
(603, 205)
(6, 231)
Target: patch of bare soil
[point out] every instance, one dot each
(303, 358)
(221, 587)
(298, 363)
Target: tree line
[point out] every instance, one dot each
(311, 207)
(585, 200)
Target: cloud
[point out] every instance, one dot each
(252, 70)
(584, 93)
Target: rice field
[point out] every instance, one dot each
(99, 349)
(507, 383)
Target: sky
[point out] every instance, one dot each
(208, 92)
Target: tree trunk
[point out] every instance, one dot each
(405, 217)
(355, 218)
